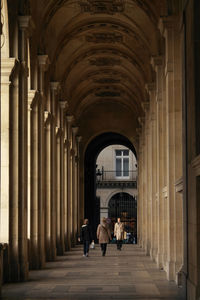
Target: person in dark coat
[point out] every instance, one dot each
(86, 237)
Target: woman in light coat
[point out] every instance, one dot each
(119, 233)
(103, 235)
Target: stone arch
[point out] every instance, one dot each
(128, 191)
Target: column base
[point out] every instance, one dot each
(159, 260)
(60, 250)
(153, 253)
(54, 253)
(42, 261)
(24, 271)
(171, 270)
(14, 272)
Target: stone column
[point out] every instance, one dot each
(178, 168)
(34, 231)
(61, 248)
(147, 179)
(70, 120)
(54, 86)
(24, 23)
(31, 96)
(14, 267)
(78, 138)
(153, 181)
(139, 187)
(168, 31)
(143, 184)
(65, 190)
(74, 184)
(157, 63)
(48, 208)
(43, 63)
(58, 208)
(7, 66)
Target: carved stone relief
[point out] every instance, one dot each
(103, 37)
(104, 6)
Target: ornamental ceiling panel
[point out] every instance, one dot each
(100, 51)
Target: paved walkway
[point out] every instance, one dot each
(128, 274)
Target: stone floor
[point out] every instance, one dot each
(128, 274)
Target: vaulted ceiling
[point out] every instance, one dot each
(100, 52)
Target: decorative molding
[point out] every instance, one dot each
(157, 61)
(150, 87)
(75, 130)
(102, 6)
(43, 61)
(8, 65)
(196, 165)
(104, 37)
(47, 117)
(26, 23)
(108, 94)
(104, 61)
(54, 85)
(33, 96)
(145, 105)
(116, 184)
(59, 131)
(70, 119)
(63, 104)
(107, 80)
(167, 23)
(179, 185)
(141, 120)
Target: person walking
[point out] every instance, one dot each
(86, 237)
(103, 235)
(119, 233)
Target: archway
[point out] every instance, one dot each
(123, 205)
(92, 207)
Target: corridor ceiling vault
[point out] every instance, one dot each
(100, 52)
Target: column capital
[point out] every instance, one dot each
(75, 129)
(26, 23)
(70, 119)
(47, 117)
(141, 120)
(145, 106)
(79, 138)
(157, 61)
(43, 61)
(54, 86)
(33, 95)
(150, 87)
(7, 67)
(63, 104)
(167, 23)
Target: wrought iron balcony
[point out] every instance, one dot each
(115, 179)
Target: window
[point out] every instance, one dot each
(122, 163)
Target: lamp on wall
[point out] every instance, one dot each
(98, 174)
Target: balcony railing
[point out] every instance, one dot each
(113, 179)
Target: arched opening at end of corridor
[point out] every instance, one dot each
(124, 206)
(93, 209)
